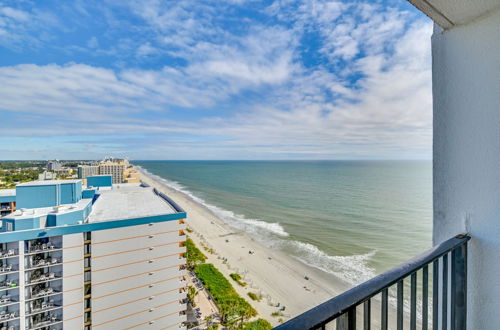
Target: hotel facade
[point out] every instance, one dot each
(103, 257)
(117, 168)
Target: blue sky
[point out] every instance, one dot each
(230, 79)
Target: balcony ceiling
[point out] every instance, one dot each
(450, 13)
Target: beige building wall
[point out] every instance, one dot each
(138, 276)
(73, 281)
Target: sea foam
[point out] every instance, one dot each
(238, 221)
(351, 269)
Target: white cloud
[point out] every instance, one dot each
(17, 15)
(22, 28)
(316, 110)
(93, 42)
(146, 49)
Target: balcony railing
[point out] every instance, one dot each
(10, 253)
(44, 322)
(43, 277)
(449, 289)
(7, 268)
(42, 307)
(42, 247)
(43, 263)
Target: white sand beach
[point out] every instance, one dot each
(278, 277)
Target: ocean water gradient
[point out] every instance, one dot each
(353, 219)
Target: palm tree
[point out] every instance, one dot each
(192, 292)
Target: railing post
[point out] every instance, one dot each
(459, 288)
(347, 321)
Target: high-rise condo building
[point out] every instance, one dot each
(53, 165)
(114, 167)
(110, 257)
(87, 170)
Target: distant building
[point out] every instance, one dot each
(130, 175)
(115, 168)
(46, 176)
(53, 165)
(64, 171)
(87, 170)
(73, 261)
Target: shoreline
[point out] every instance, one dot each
(278, 277)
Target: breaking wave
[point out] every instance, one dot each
(238, 221)
(351, 269)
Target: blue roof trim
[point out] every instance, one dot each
(22, 235)
(7, 199)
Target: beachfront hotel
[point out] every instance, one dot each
(102, 256)
(118, 169)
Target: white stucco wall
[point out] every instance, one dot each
(466, 88)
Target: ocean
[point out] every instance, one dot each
(353, 219)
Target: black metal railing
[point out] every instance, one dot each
(441, 301)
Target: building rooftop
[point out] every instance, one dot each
(129, 200)
(46, 182)
(7, 192)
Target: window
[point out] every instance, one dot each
(87, 249)
(87, 289)
(87, 262)
(87, 236)
(87, 276)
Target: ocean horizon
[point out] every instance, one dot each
(350, 218)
